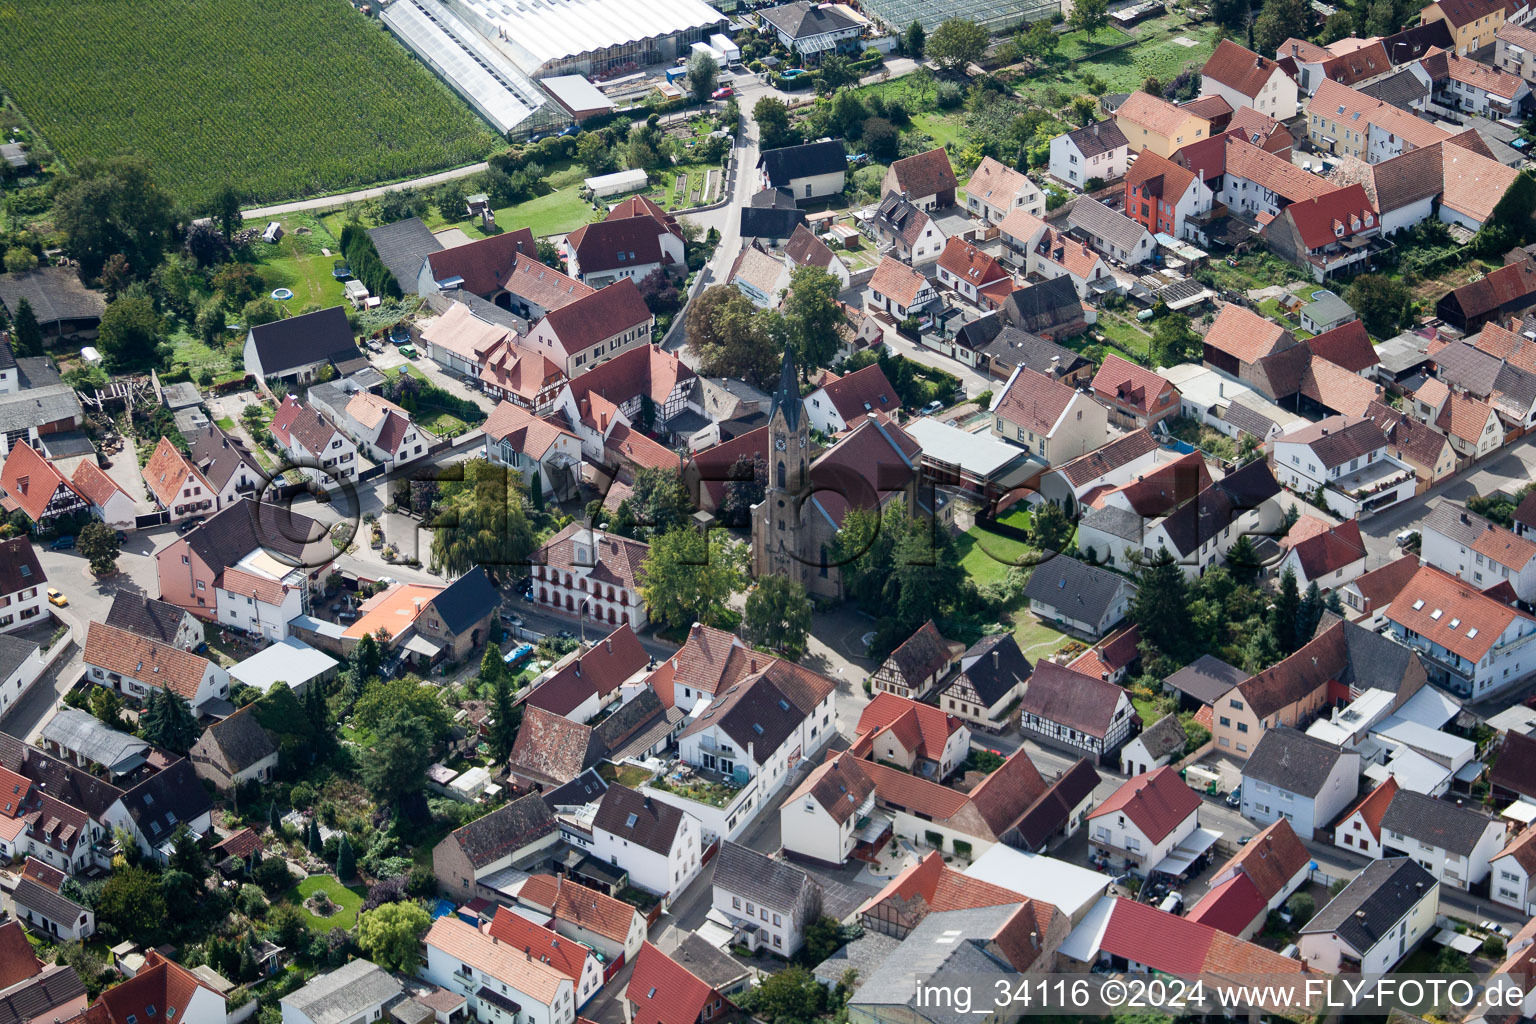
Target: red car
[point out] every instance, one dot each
(723, 93)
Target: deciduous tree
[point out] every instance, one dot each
(391, 935)
(703, 73)
(130, 333)
(1280, 20)
(773, 127)
(1089, 15)
(112, 206)
(690, 577)
(98, 543)
(1382, 303)
(812, 316)
(778, 615)
(958, 42)
(726, 335)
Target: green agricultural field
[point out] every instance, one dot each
(280, 100)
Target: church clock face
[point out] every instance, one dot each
(804, 441)
(780, 442)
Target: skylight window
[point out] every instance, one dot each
(1418, 605)
(630, 821)
(1455, 623)
(1472, 633)
(757, 728)
(1436, 614)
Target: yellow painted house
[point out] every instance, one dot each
(1473, 23)
(1150, 122)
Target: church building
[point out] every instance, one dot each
(808, 494)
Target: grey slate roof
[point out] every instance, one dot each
(1382, 893)
(43, 900)
(1164, 736)
(1402, 89)
(166, 799)
(945, 942)
(467, 600)
(14, 651)
(802, 19)
(1292, 761)
(1043, 305)
(1077, 589)
(1439, 823)
(301, 340)
(1100, 137)
(1115, 521)
(237, 743)
(37, 372)
(1206, 678)
(86, 735)
(218, 456)
(344, 993)
(403, 247)
(1469, 368)
(1248, 419)
(583, 789)
(636, 818)
(863, 955)
(37, 406)
(55, 293)
(765, 881)
(710, 965)
(1011, 347)
(1092, 216)
(505, 830)
(156, 620)
(783, 166)
(998, 666)
(31, 1000)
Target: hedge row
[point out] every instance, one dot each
(364, 262)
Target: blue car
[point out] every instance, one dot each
(570, 130)
(517, 654)
(62, 544)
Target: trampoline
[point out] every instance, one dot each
(340, 271)
(282, 294)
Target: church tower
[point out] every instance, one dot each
(777, 528)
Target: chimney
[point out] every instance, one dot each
(608, 643)
(1325, 431)
(994, 661)
(1258, 61)
(647, 801)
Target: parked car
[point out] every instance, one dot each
(409, 351)
(62, 544)
(56, 598)
(932, 407)
(722, 93)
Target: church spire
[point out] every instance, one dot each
(788, 395)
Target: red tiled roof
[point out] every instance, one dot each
(1156, 802)
(860, 392)
(31, 481)
(601, 670)
(1474, 185)
(619, 559)
(17, 961)
(1444, 610)
(1332, 217)
(1230, 906)
(931, 727)
(484, 264)
(544, 286)
(159, 983)
(94, 485)
(1239, 68)
(644, 370)
(877, 452)
(1270, 859)
(640, 206)
(525, 432)
(1158, 176)
(1133, 385)
(897, 281)
(598, 247)
(1328, 550)
(663, 991)
(1348, 346)
(925, 174)
(1243, 334)
(516, 931)
(1464, 417)
(714, 464)
(247, 584)
(943, 888)
(1178, 945)
(569, 901)
(148, 661)
(1154, 113)
(1034, 401)
(592, 318)
(1373, 806)
(970, 264)
(635, 448)
(1279, 175)
(1381, 586)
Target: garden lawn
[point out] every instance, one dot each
(215, 93)
(191, 352)
(348, 900)
(1155, 55)
(987, 556)
(1035, 638)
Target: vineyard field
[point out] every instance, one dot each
(282, 100)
